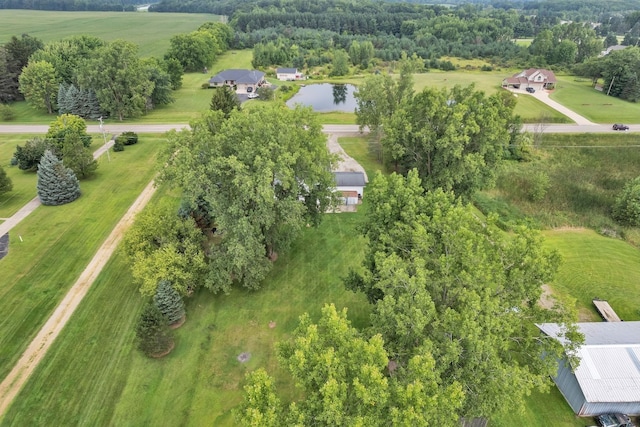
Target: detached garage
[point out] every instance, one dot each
(351, 186)
(608, 377)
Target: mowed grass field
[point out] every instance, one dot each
(150, 31)
(24, 183)
(50, 248)
(579, 95)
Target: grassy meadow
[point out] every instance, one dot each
(24, 183)
(51, 247)
(579, 95)
(150, 31)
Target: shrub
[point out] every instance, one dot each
(539, 185)
(130, 138)
(152, 332)
(627, 207)
(5, 182)
(205, 86)
(14, 161)
(118, 144)
(28, 157)
(6, 112)
(486, 68)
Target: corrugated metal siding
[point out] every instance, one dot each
(569, 387)
(631, 408)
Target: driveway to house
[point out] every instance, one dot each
(543, 96)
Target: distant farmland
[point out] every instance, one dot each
(150, 31)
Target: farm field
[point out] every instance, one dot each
(50, 248)
(150, 31)
(578, 95)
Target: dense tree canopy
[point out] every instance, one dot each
(344, 381)
(119, 79)
(39, 85)
(455, 138)
(264, 174)
(165, 247)
(440, 278)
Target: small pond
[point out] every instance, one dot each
(326, 97)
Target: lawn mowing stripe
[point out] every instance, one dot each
(12, 384)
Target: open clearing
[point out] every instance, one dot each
(58, 242)
(150, 31)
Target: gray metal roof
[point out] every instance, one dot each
(286, 70)
(239, 76)
(609, 369)
(349, 179)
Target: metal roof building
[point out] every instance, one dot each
(608, 377)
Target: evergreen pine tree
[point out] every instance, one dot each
(225, 100)
(73, 100)
(63, 106)
(5, 182)
(94, 110)
(152, 332)
(169, 302)
(57, 184)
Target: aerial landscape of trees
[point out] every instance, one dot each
(421, 307)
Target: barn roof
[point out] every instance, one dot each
(349, 179)
(286, 70)
(609, 369)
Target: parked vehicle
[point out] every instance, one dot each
(614, 420)
(530, 90)
(620, 126)
(252, 95)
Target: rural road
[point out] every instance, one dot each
(349, 129)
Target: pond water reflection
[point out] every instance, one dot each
(326, 97)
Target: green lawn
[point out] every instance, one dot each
(578, 95)
(150, 31)
(24, 183)
(91, 375)
(50, 248)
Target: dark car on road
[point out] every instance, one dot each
(620, 126)
(530, 90)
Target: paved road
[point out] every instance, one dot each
(349, 129)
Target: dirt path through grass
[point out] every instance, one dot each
(29, 360)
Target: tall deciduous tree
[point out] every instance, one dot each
(455, 138)
(162, 86)
(440, 278)
(57, 184)
(63, 126)
(164, 246)
(340, 63)
(77, 157)
(195, 50)
(119, 79)
(224, 99)
(264, 173)
(39, 85)
(344, 378)
(5, 182)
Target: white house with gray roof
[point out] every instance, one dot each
(289, 74)
(608, 376)
(351, 186)
(242, 81)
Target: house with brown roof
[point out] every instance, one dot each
(536, 78)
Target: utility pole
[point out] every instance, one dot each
(104, 137)
(611, 84)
